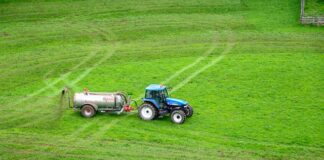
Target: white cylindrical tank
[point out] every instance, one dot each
(102, 101)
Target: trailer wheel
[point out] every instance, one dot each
(147, 111)
(189, 112)
(88, 111)
(178, 116)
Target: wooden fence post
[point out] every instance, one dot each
(302, 7)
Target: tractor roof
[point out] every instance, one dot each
(155, 87)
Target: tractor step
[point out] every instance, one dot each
(163, 112)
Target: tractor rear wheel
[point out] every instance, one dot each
(178, 116)
(88, 111)
(189, 112)
(147, 111)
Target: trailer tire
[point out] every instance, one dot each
(178, 116)
(189, 112)
(88, 111)
(147, 112)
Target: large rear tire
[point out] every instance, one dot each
(189, 112)
(88, 111)
(178, 116)
(147, 112)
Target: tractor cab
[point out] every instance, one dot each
(156, 94)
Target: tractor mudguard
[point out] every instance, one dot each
(176, 108)
(152, 101)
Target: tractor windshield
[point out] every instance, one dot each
(156, 94)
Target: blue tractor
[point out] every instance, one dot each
(157, 103)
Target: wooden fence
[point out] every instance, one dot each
(309, 19)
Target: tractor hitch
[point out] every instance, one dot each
(128, 108)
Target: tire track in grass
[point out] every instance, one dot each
(103, 35)
(26, 116)
(45, 81)
(210, 64)
(88, 70)
(43, 100)
(81, 129)
(52, 84)
(78, 79)
(27, 67)
(48, 86)
(197, 61)
(66, 75)
(37, 103)
(100, 133)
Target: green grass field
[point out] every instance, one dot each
(253, 74)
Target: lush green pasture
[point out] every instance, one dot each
(254, 76)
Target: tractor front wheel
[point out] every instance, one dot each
(178, 116)
(88, 111)
(147, 111)
(189, 112)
